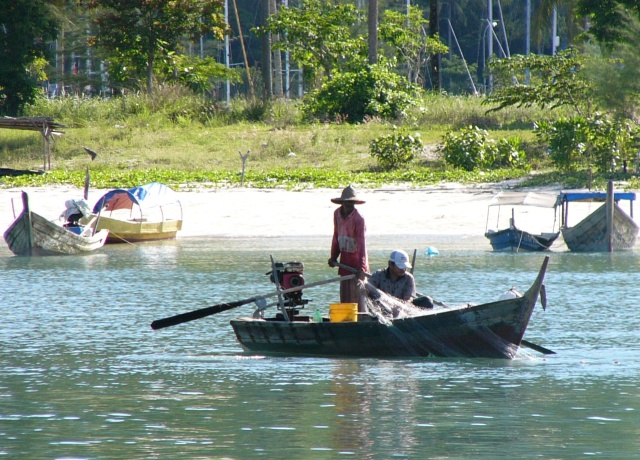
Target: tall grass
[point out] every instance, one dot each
(177, 131)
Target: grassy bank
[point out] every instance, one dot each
(180, 139)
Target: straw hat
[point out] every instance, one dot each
(348, 196)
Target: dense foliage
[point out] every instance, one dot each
(590, 142)
(583, 100)
(556, 81)
(318, 34)
(368, 91)
(159, 27)
(25, 28)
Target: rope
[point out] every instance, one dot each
(121, 238)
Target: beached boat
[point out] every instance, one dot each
(489, 330)
(33, 235)
(515, 239)
(608, 228)
(145, 213)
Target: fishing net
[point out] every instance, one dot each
(386, 308)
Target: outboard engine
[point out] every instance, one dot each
(289, 275)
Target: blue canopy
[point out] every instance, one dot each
(146, 196)
(595, 196)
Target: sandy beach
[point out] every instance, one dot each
(447, 209)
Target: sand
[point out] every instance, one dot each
(448, 209)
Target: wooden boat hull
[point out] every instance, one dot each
(121, 231)
(590, 234)
(514, 239)
(491, 330)
(32, 234)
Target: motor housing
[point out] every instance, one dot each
(289, 275)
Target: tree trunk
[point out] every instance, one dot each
(266, 53)
(277, 57)
(373, 31)
(60, 50)
(150, 58)
(433, 33)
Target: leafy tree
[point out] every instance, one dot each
(606, 17)
(195, 73)
(318, 35)
(135, 33)
(25, 27)
(556, 82)
(73, 28)
(614, 72)
(406, 35)
(587, 139)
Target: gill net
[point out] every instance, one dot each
(418, 339)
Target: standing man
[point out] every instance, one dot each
(349, 244)
(395, 280)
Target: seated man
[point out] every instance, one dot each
(395, 280)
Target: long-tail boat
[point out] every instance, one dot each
(488, 330)
(33, 235)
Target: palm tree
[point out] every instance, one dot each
(544, 16)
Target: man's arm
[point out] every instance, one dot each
(410, 288)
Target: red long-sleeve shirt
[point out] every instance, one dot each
(349, 241)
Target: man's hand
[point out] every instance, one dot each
(332, 262)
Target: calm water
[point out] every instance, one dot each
(82, 375)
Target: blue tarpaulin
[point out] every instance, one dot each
(146, 196)
(595, 196)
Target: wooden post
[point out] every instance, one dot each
(44, 145)
(244, 164)
(87, 179)
(609, 209)
(27, 211)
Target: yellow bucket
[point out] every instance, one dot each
(339, 312)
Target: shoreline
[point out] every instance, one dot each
(443, 210)
(246, 212)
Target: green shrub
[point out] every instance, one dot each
(469, 148)
(370, 91)
(395, 149)
(510, 153)
(580, 142)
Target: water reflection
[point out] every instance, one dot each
(82, 375)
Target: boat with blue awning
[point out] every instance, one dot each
(607, 228)
(144, 213)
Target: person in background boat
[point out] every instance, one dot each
(395, 280)
(74, 211)
(348, 243)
